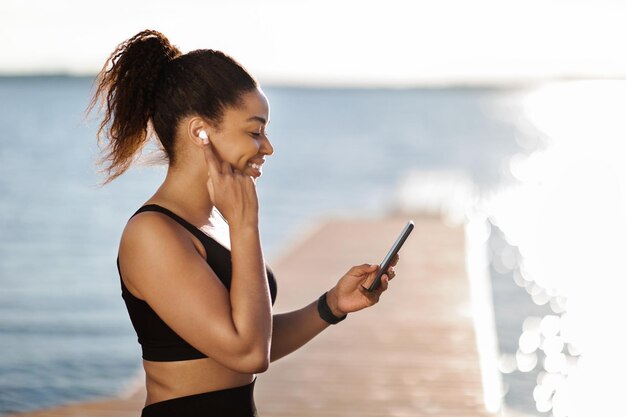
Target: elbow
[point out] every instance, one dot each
(254, 359)
(254, 362)
(260, 365)
(244, 356)
(258, 362)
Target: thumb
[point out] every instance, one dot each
(368, 269)
(369, 275)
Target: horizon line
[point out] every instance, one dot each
(322, 83)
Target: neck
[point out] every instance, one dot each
(186, 192)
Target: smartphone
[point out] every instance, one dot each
(392, 253)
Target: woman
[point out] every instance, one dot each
(195, 284)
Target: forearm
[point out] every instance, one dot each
(294, 329)
(249, 291)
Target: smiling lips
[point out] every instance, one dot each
(256, 167)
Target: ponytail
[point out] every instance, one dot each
(150, 86)
(127, 91)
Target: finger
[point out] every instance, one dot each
(370, 279)
(362, 269)
(211, 159)
(251, 180)
(391, 272)
(372, 296)
(395, 260)
(226, 168)
(384, 283)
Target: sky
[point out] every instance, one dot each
(333, 41)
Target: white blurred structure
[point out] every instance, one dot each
(446, 193)
(453, 196)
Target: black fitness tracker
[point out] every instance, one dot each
(326, 313)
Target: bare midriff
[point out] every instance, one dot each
(167, 380)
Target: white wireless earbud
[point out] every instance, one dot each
(203, 135)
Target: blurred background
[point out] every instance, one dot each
(519, 103)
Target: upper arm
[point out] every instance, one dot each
(163, 265)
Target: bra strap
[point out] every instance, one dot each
(193, 229)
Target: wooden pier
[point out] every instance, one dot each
(416, 353)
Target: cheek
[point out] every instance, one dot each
(251, 147)
(244, 152)
(236, 151)
(251, 151)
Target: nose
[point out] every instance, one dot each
(266, 146)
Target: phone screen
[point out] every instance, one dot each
(391, 254)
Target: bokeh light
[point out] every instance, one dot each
(566, 216)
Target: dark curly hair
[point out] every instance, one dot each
(147, 85)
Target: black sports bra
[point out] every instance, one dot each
(158, 341)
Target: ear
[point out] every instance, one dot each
(195, 125)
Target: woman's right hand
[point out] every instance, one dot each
(232, 192)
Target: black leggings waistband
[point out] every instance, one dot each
(230, 402)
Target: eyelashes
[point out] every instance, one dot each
(257, 135)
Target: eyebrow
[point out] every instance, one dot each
(258, 119)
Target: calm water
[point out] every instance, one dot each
(64, 332)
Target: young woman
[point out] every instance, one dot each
(197, 289)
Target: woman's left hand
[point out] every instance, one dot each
(350, 293)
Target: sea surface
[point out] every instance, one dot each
(64, 331)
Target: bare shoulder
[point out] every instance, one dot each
(150, 244)
(151, 224)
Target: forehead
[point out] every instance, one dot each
(253, 103)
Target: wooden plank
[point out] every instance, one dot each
(413, 354)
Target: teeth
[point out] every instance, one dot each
(257, 166)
